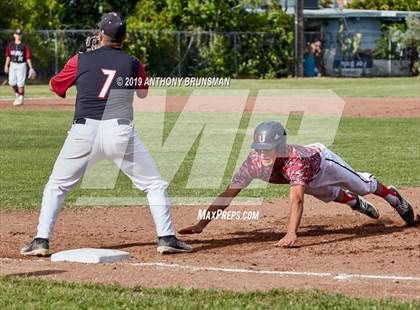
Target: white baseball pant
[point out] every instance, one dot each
(105, 139)
(335, 174)
(17, 74)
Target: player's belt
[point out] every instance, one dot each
(121, 121)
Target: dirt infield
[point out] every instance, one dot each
(362, 107)
(338, 250)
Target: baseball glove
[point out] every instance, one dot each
(32, 74)
(92, 43)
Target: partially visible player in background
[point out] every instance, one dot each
(18, 56)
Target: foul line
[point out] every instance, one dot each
(335, 276)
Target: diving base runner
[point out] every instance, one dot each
(311, 169)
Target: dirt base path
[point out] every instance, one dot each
(362, 107)
(338, 250)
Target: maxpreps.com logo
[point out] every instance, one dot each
(228, 215)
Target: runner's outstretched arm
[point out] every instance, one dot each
(296, 211)
(220, 203)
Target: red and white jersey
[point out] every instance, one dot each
(18, 53)
(300, 166)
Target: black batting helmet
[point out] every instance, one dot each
(269, 135)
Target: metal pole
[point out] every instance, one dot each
(55, 52)
(296, 47)
(178, 48)
(389, 55)
(235, 47)
(301, 30)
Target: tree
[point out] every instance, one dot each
(411, 37)
(214, 15)
(394, 5)
(410, 40)
(8, 6)
(86, 14)
(326, 3)
(35, 14)
(230, 46)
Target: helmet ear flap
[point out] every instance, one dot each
(282, 146)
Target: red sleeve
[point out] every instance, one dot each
(246, 173)
(141, 74)
(8, 50)
(27, 52)
(65, 78)
(297, 171)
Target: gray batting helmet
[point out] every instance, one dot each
(269, 135)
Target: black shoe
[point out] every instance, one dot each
(365, 207)
(38, 247)
(404, 208)
(170, 244)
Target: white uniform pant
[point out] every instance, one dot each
(17, 74)
(105, 139)
(335, 174)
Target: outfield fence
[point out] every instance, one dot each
(230, 54)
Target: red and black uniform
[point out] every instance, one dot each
(18, 53)
(105, 80)
(299, 168)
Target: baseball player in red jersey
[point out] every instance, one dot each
(311, 169)
(103, 129)
(18, 56)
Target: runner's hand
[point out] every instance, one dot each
(288, 240)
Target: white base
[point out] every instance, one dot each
(90, 256)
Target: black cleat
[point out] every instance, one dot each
(365, 207)
(404, 208)
(170, 244)
(38, 247)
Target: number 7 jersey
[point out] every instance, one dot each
(105, 80)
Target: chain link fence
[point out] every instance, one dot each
(171, 53)
(355, 54)
(50, 49)
(205, 53)
(230, 54)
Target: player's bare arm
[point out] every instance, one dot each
(296, 211)
(6, 65)
(220, 203)
(29, 62)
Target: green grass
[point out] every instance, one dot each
(39, 294)
(32, 91)
(31, 140)
(360, 87)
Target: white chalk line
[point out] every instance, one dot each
(335, 276)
